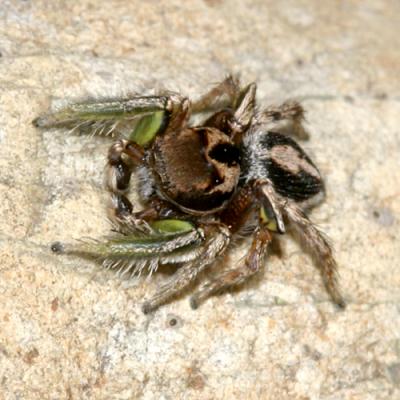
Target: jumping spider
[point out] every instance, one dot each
(235, 173)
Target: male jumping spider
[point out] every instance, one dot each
(203, 185)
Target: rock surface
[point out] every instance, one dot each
(69, 330)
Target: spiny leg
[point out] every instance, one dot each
(169, 242)
(291, 113)
(245, 108)
(223, 94)
(319, 248)
(104, 110)
(252, 264)
(235, 117)
(238, 120)
(217, 239)
(156, 114)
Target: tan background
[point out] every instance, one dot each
(71, 331)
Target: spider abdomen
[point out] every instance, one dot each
(284, 163)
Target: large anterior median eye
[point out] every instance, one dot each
(225, 153)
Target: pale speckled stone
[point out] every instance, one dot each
(69, 330)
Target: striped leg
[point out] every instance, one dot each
(252, 264)
(319, 248)
(217, 239)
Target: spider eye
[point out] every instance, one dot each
(225, 153)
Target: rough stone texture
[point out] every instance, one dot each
(69, 330)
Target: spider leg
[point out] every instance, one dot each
(123, 156)
(217, 239)
(168, 242)
(253, 262)
(235, 118)
(155, 113)
(288, 116)
(104, 110)
(270, 212)
(223, 94)
(319, 248)
(245, 107)
(235, 217)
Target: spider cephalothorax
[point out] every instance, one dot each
(197, 169)
(202, 185)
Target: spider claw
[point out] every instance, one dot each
(57, 247)
(340, 303)
(194, 303)
(36, 122)
(147, 308)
